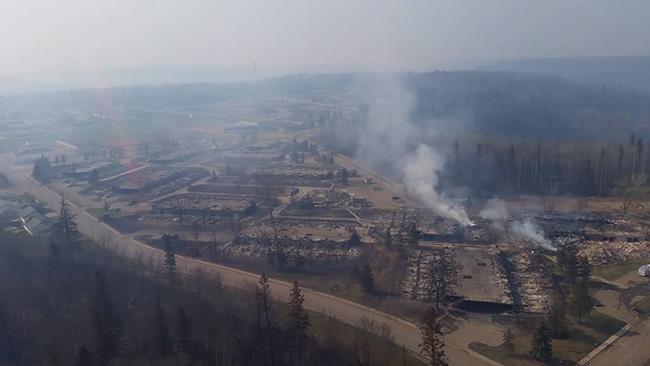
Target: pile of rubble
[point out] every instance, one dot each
(329, 198)
(204, 205)
(174, 181)
(314, 240)
(605, 252)
(417, 282)
(294, 250)
(532, 286)
(502, 277)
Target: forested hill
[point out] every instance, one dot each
(626, 72)
(495, 103)
(520, 105)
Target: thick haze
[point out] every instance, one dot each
(52, 41)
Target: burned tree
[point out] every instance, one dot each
(170, 256)
(367, 280)
(631, 190)
(181, 204)
(276, 256)
(298, 318)
(581, 303)
(184, 332)
(105, 321)
(163, 341)
(64, 229)
(542, 349)
(432, 346)
(265, 321)
(442, 277)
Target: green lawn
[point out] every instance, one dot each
(95, 211)
(614, 271)
(583, 338)
(643, 307)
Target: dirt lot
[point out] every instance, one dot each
(581, 339)
(571, 204)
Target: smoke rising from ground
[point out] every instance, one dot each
(391, 141)
(497, 213)
(528, 230)
(420, 178)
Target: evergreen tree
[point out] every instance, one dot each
(163, 340)
(583, 269)
(53, 251)
(568, 260)
(265, 315)
(53, 360)
(42, 168)
(84, 358)
(542, 349)
(103, 300)
(298, 317)
(367, 280)
(355, 239)
(9, 352)
(442, 277)
(344, 176)
(184, 332)
(105, 322)
(355, 273)
(581, 303)
(104, 346)
(170, 257)
(432, 346)
(65, 229)
(388, 238)
(557, 323)
(93, 176)
(413, 234)
(508, 340)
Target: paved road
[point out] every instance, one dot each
(405, 333)
(629, 350)
(124, 173)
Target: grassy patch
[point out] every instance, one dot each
(381, 348)
(502, 356)
(614, 271)
(4, 182)
(95, 211)
(643, 307)
(582, 339)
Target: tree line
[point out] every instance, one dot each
(67, 301)
(549, 168)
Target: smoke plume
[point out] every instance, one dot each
(497, 213)
(420, 178)
(530, 231)
(392, 142)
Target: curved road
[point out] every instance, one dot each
(405, 333)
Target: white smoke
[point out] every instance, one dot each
(497, 213)
(495, 210)
(421, 176)
(530, 231)
(390, 137)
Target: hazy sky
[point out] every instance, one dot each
(41, 39)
